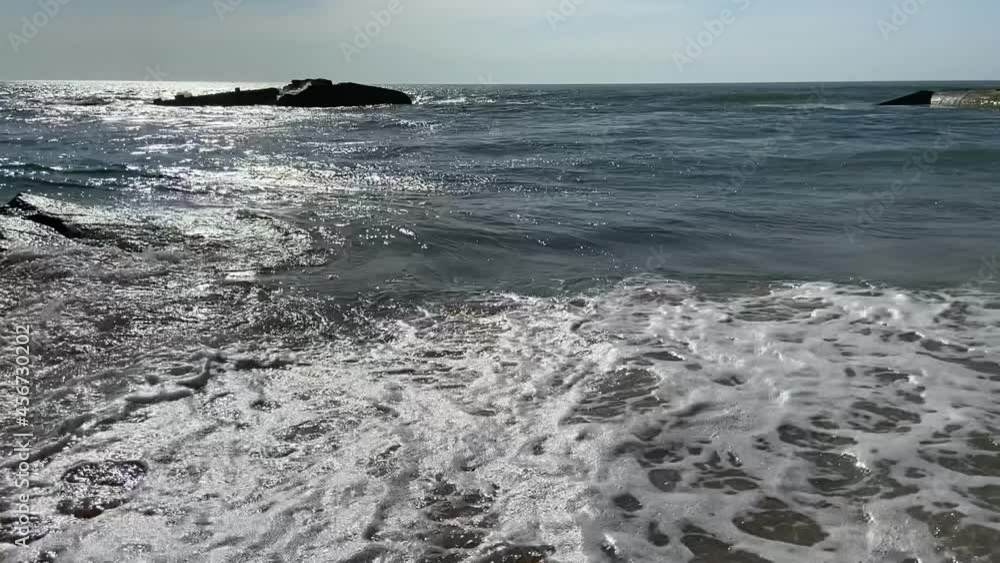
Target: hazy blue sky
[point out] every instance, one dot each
(514, 41)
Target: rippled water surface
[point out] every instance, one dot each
(744, 323)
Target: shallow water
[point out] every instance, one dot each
(508, 324)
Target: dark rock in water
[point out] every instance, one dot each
(31, 220)
(95, 487)
(921, 98)
(262, 97)
(308, 93)
(322, 93)
(48, 213)
(19, 232)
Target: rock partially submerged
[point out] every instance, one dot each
(238, 242)
(46, 212)
(30, 220)
(322, 93)
(308, 93)
(238, 97)
(989, 99)
(921, 98)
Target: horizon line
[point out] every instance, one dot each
(627, 83)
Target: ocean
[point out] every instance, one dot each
(622, 323)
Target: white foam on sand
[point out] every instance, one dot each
(646, 423)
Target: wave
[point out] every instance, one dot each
(812, 418)
(761, 98)
(812, 106)
(430, 100)
(815, 418)
(411, 124)
(29, 166)
(433, 101)
(91, 101)
(953, 156)
(48, 183)
(99, 171)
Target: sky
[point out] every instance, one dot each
(501, 41)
